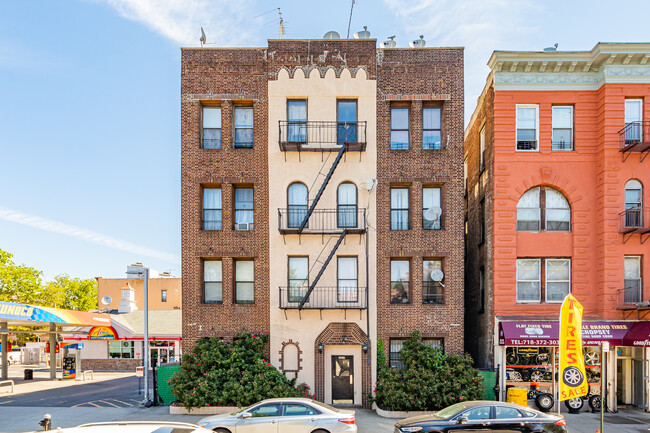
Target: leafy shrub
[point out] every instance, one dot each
(218, 373)
(430, 380)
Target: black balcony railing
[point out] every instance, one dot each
(562, 145)
(635, 137)
(433, 292)
(320, 136)
(635, 220)
(322, 221)
(632, 296)
(342, 298)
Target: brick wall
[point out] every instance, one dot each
(226, 77)
(417, 77)
(111, 364)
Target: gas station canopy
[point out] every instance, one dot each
(14, 314)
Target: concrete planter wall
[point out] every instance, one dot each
(402, 414)
(206, 410)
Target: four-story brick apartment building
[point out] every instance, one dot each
(557, 179)
(322, 203)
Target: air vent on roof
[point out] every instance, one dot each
(418, 43)
(364, 34)
(332, 35)
(390, 43)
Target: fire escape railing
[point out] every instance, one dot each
(635, 137)
(320, 136)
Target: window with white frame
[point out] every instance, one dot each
(347, 285)
(527, 130)
(633, 204)
(297, 120)
(212, 281)
(243, 127)
(211, 127)
(244, 209)
(399, 128)
(434, 343)
(163, 296)
(399, 208)
(558, 279)
(120, 349)
(298, 278)
(431, 208)
(633, 121)
(212, 209)
(543, 209)
(562, 138)
(400, 281)
(394, 355)
(244, 282)
(632, 283)
(529, 280)
(481, 150)
(543, 280)
(431, 128)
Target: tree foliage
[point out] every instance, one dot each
(24, 284)
(430, 380)
(219, 373)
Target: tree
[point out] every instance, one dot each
(74, 293)
(19, 283)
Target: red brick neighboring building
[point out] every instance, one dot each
(555, 171)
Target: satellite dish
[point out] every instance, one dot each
(553, 48)
(390, 43)
(106, 300)
(437, 275)
(421, 43)
(332, 35)
(203, 38)
(368, 184)
(433, 213)
(365, 34)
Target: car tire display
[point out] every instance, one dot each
(544, 402)
(574, 404)
(595, 402)
(536, 376)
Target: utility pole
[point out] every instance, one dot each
(147, 400)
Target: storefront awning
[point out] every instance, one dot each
(547, 333)
(15, 314)
(639, 335)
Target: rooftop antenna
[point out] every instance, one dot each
(332, 35)
(421, 43)
(282, 32)
(363, 34)
(553, 48)
(106, 300)
(203, 39)
(350, 21)
(390, 43)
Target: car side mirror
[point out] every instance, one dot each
(462, 420)
(246, 415)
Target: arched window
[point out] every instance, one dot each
(633, 204)
(296, 204)
(346, 205)
(543, 209)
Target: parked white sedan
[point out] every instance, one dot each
(283, 415)
(135, 427)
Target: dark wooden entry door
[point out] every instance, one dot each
(342, 379)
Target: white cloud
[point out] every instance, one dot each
(84, 234)
(224, 21)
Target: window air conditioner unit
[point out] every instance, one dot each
(644, 304)
(244, 226)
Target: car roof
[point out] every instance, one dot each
(287, 400)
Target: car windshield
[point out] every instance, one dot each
(452, 410)
(243, 410)
(326, 406)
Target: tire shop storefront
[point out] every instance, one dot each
(529, 351)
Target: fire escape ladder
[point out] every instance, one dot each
(320, 273)
(322, 188)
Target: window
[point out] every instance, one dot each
(633, 119)
(243, 127)
(399, 128)
(632, 283)
(435, 343)
(293, 409)
(297, 121)
(432, 285)
(465, 176)
(556, 284)
(211, 127)
(543, 208)
(478, 413)
(558, 279)
(212, 209)
(481, 238)
(562, 128)
(481, 290)
(507, 412)
(400, 281)
(347, 121)
(346, 205)
(244, 282)
(431, 128)
(481, 150)
(272, 409)
(394, 355)
(347, 279)
(163, 296)
(399, 209)
(244, 209)
(431, 208)
(120, 349)
(298, 278)
(526, 127)
(212, 281)
(633, 204)
(297, 203)
(529, 280)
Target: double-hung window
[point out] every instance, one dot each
(481, 150)
(431, 128)
(212, 281)
(400, 281)
(347, 279)
(346, 205)
(562, 128)
(632, 284)
(244, 209)
(633, 121)
(211, 127)
(543, 280)
(244, 282)
(399, 208)
(527, 131)
(394, 355)
(297, 121)
(243, 127)
(346, 117)
(432, 285)
(297, 204)
(434, 343)
(431, 208)
(558, 279)
(529, 280)
(399, 128)
(298, 278)
(163, 296)
(212, 209)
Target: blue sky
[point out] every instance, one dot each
(90, 111)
